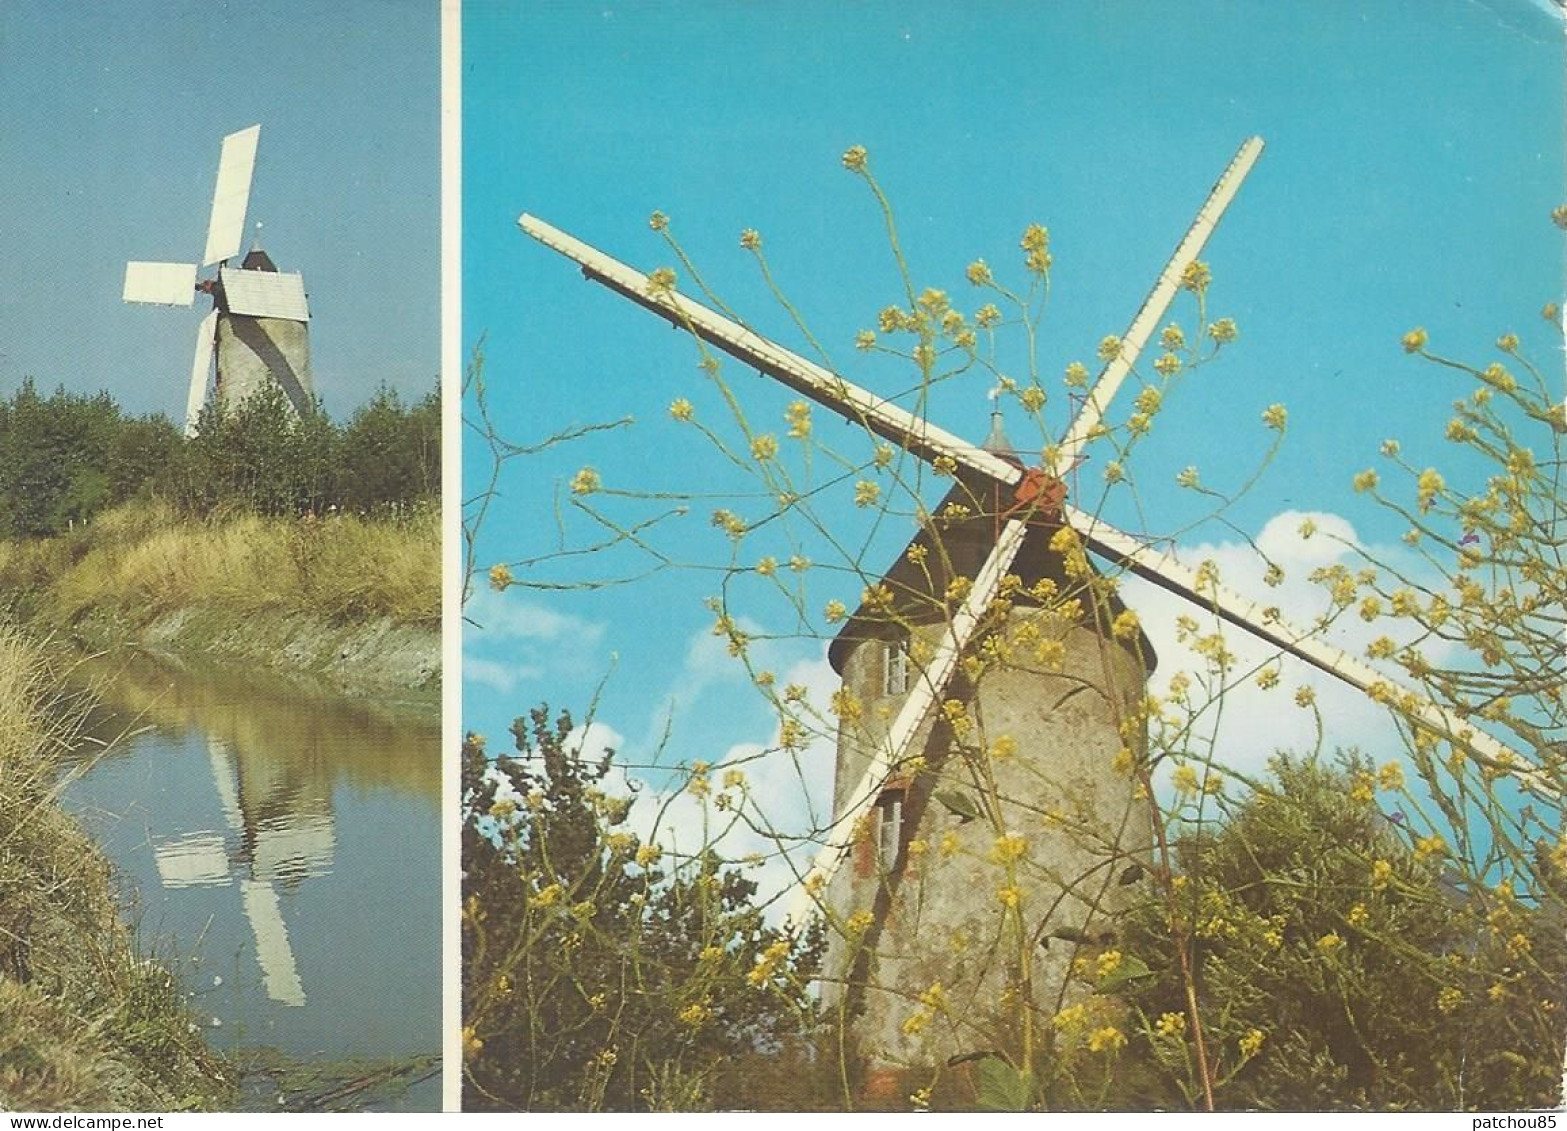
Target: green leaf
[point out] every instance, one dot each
(1130, 969)
(960, 803)
(1002, 1087)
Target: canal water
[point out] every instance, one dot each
(281, 850)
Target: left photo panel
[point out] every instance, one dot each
(220, 557)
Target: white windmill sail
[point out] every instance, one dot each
(166, 284)
(929, 441)
(231, 195)
(199, 369)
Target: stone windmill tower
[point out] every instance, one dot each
(913, 658)
(921, 863)
(258, 328)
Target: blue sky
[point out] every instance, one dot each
(114, 116)
(1414, 153)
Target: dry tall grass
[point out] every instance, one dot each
(144, 559)
(86, 1023)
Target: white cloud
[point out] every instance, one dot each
(1254, 723)
(499, 616)
(788, 794)
(498, 676)
(512, 641)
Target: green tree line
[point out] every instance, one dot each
(66, 456)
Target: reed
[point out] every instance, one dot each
(87, 1021)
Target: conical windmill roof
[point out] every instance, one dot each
(958, 547)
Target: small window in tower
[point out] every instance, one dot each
(889, 829)
(895, 668)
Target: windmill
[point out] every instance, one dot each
(258, 327)
(1025, 509)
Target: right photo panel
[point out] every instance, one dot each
(1013, 557)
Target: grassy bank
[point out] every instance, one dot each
(354, 602)
(86, 1022)
(144, 560)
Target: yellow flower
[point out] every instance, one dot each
(846, 705)
(979, 273)
(471, 1044)
(1036, 248)
(1109, 348)
(835, 611)
(1430, 484)
(1432, 845)
(854, 159)
(1251, 1043)
(658, 221)
(1268, 678)
(1381, 875)
(860, 922)
(1071, 1018)
(1275, 416)
(764, 447)
(1330, 943)
(1224, 331)
(1449, 999)
(1008, 847)
(1076, 375)
(695, 1014)
(865, 340)
(1195, 277)
(1415, 340)
(1185, 780)
(1171, 1024)
(1009, 895)
(585, 482)
(1360, 789)
(1172, 337)
(648, 855)
(549, 896)
(500, 576)
(1390, 776)
(751, 239)
(1106, 1039)
(1358, 915)
(949, 842)
(1108, 963)
(866, 493)
(1004, 747)
(915, 1023)
(681, 409)
(1305, 696)
(1365, 481)
(661, 281)
(988, 315)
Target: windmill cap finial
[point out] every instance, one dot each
(997, 442)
